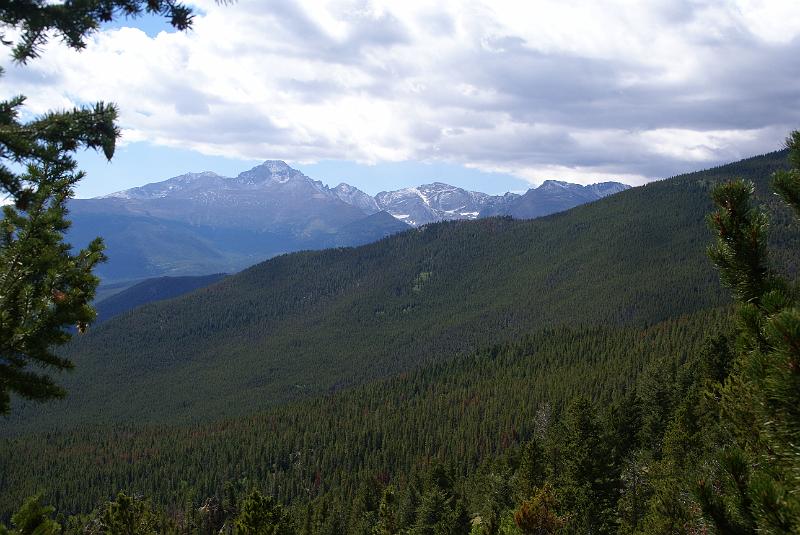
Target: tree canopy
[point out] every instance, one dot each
(46, 287)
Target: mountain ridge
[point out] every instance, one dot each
(426, 203)
(312, 322)
(203, 223)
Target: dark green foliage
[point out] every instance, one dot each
(466, 410)
(74, 20)
(441, 509)
(33, 519)
(581, 469)
(125, 516)
(45, 289)
(740, 251)
(729, 459)
(787, 182)
(755, 489)
(260, 515)
(388, 520)
(531, 467)
(305, 324)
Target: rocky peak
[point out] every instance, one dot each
(355, 197)
(271, 171)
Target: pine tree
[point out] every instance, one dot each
(45, 288)
(33, 519)
(757, 488)
(582, 473)
(262, 515)
(531, 471)
(387, 513)
(538, 516)
(127, 515)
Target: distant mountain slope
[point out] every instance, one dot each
(378, 225)
(432, 202)
(201, 223)
(441, 202)
(141, 246)
(311, 322)
(551, 197)
(149, 291)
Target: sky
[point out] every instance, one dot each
(494, 96)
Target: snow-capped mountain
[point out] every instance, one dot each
(434, 202)
(183, 186)
(357, 198)
(274, 195)
(269, 197)
(200, 223)
(603, 189)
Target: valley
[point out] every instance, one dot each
(308, 323)
(508, 268)
(316, 372)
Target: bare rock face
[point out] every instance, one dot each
(439, 202)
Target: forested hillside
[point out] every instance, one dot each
(461, 411)
(149, 291)
(309, 323)
(590, 416)
(263, 354)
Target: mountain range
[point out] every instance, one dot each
(313, 322)
(202, 223)
(333, 375)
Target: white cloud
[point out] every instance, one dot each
(584, 91)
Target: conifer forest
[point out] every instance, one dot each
(630, 365)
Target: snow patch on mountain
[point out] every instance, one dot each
(274, 181)
(355, 197)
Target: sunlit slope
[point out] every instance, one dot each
(310, 322)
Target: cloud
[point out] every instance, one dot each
(562, 89)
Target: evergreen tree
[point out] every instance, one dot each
(262, 515)
(538, 516)
(581, 474)
(757, 486)
(387, 513)
(531, 471)
(45, 288)
(365, 507)
(33, 519)
(441, 511)
(129, 516)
